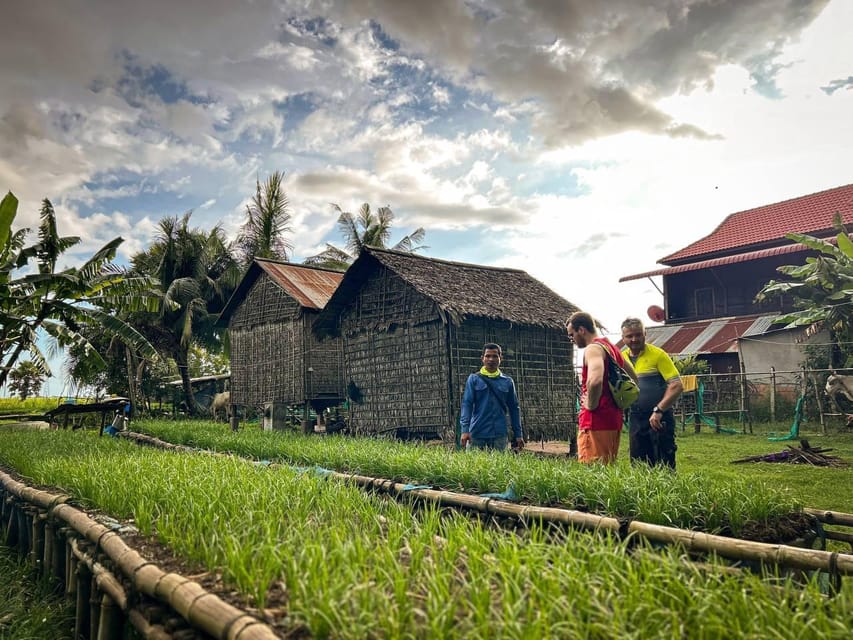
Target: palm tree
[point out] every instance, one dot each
(197, 275)
(26, 380)
(60, 303)
(364, 230)
(267, 222)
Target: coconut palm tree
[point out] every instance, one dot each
(60, 302)
(367, 229)
(197, 276)
(267, 222)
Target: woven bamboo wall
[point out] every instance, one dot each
(538, 359)
(270, 337)
(411, 368)
(395, 353)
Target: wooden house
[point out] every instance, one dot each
(413, 328)
(709, 286)
(275, 356)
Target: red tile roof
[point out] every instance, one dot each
(811, 214)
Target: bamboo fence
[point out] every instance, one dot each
(113, 585)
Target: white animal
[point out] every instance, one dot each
(837, 385)
(221, 401)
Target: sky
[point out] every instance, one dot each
(579, 140)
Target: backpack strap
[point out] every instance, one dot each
(494, 393)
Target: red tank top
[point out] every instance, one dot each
(606, 416)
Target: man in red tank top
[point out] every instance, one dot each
(600, 420)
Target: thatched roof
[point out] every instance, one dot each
(311, 287)
(459, 290)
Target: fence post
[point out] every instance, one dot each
(772, 394)
(744, 400)
(818, 401)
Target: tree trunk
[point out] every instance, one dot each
(182, 360)
(132, 389)
(140, 371)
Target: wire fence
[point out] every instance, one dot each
(721, 399)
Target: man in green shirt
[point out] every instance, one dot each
(651, 420)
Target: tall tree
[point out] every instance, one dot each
(263, 235)
(197, 275)
(822, 290)
(26, 380)
(59, 302)
(364, 229)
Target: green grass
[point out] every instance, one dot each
(14, 406)
(356, 565)
(830, 488)
(28, 608)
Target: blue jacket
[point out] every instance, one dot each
(482, 415)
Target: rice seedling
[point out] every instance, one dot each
(355, 565)
(688, 500)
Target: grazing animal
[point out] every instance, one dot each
(837, 385)
(221, 401)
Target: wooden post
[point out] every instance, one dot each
(772, 394)
(235, 419)
(744, 400)
(817, 391)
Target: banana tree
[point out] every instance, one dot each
(60, 303)
(822, 290)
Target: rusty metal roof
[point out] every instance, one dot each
(709, 336)
(310, 287)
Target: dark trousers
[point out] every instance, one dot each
(650, 446)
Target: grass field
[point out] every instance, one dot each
(28, 608)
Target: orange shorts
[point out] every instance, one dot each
(598, 446)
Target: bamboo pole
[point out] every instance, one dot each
(111, 623)
(37, 537)
(831, 517)
(149, 631)
(47, 557)
(731, 548)
(84, 589)
(94, 609)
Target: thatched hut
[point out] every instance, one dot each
(413, 329)
(275, 357)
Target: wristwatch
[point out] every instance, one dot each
(657, 410)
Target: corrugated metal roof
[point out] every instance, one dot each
(806, 214)
(311, 288)
(718, 262)
(708, 336)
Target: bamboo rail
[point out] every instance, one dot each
(63, 541)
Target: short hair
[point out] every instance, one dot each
(633, 323)
(581, 319)
(492, 345)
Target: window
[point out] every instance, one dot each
(704, 301)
